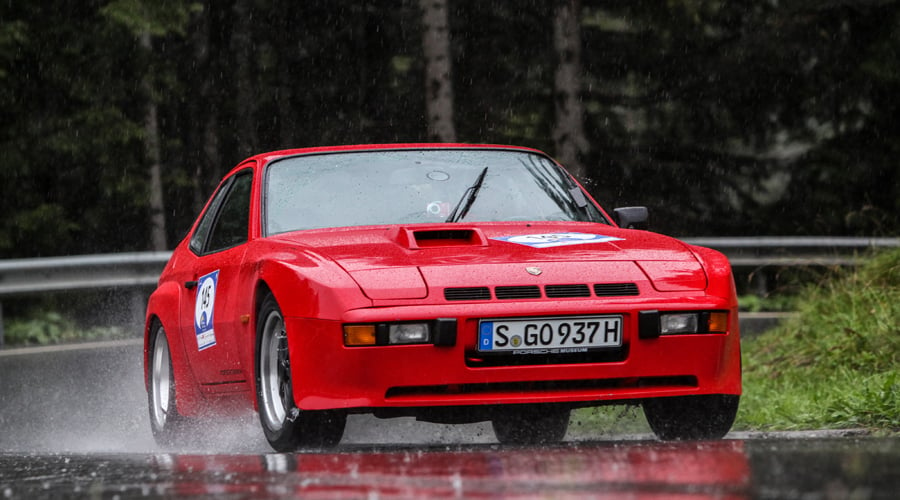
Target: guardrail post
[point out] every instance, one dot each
(137, 303)
(1, 325)
(759, 282)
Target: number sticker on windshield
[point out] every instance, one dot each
(550, 240)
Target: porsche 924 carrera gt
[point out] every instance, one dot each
(453, 283)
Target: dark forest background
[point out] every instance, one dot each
(749, 117)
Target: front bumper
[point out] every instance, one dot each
(328, 375)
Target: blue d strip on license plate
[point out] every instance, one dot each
(550, 335)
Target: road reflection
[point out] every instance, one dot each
(803, 466)
(641, 470)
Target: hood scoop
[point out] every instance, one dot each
(440, 237)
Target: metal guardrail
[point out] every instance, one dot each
(140, 271)
(770, 242)
(791, 251)
(52, 274)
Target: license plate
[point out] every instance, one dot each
(550, 335)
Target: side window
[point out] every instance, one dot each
(233, 221)
(226, 223)
(198, 240)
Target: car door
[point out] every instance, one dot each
(210, 321)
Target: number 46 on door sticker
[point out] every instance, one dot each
(203, 310)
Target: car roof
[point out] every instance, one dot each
(273, 155)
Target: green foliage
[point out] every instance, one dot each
(151, 17)
(837, 363)
(771, 303)
(31, 225)
(11, 34)
(53, 328)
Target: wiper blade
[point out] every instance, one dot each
(468, 198)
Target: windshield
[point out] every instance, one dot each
(419, 186)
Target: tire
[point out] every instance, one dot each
(286, 427)
(167, 424)
(691, 417)
(531, 425)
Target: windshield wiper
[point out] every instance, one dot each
(465, 203)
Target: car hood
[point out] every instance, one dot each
(401, 262)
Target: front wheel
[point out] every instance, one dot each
(691, 417)
(532, 425)
(286, 427)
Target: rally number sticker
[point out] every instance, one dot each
(203, 310)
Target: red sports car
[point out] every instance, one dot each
(454, 283)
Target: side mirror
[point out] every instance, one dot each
(632, 217)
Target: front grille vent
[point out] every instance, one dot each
(562, 291)
(615, 289)
(534, 292)
(517, 292)
(469, 293)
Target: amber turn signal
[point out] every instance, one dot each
(357, 335)
(718, 322)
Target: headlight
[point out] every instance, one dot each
(677, 323)
(409, 333)
(652, 324)
(440, 332)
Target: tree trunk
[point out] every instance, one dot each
(568, 135)
(153, 155)
(438, 84)
(246, 88)
(290, 52)
(197, 107)
(207, 47)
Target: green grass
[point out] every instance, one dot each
(608, 421)
(835, 365)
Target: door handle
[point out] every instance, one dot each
(190, 284)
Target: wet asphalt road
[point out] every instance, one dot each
(805, 468)
(73, 424)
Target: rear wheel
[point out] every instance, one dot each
(165, 421)
(691, 417)
(286, 427)
(532, 425)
